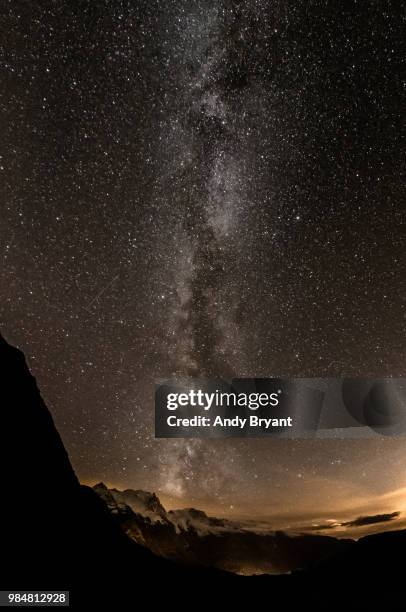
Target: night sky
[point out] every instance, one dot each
(194, 188)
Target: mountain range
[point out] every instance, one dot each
(191, 537)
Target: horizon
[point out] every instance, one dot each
(296, 523)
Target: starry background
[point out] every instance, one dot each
(205, 188)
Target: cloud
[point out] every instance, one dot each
(371, 520)
(360, 521)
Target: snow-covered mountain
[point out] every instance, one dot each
(148, 506)
(190, 519)
(127, 502)
(191, 536)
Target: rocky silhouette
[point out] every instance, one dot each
(57, 534)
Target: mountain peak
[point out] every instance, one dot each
(191, 512)
(141, 502)
(100, 486)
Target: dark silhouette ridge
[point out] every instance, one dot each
(54, 532)
(57, 534)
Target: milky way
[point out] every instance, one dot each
(205, 189)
